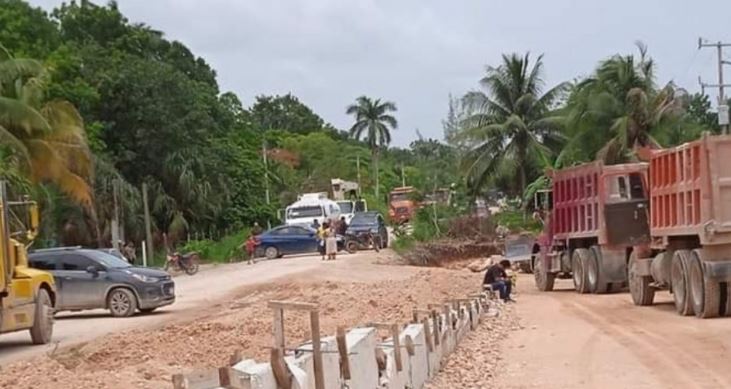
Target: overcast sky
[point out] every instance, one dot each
(417, 52)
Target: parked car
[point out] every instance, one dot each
(289, 239)
(93, 279)
(371, 221)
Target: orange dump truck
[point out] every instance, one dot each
(690, 229)
(402, 205)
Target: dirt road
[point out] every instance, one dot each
(193, 293)
(603, 341)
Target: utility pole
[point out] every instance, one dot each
(148, 223)
(723, 119)
(266, 177)
(115, 217)
(403, 177)
(357, 167)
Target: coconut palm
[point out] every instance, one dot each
(46, 140)
(374, 123)
(619, 108)
(510, 126)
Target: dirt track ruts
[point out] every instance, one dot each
(597, 341)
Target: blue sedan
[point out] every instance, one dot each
(284, 240)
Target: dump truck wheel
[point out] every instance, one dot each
(544, 279)
(42, 329)
(704, 294)
(580, 263)
(679, 279)
(639, 286)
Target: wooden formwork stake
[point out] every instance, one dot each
(279, 367)
(427, 334)
(437, 328)
(343, 351)
(409, 343)
(394, 330)
(225, 377)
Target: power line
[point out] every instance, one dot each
(723, 119)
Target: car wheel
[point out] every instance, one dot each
(271, 252)
(122, 302)
(42, 329)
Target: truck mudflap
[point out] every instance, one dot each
(717, 270)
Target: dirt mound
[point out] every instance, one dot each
(148, 358)
(451, 253)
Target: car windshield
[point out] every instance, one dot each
(345, 206)
(399, 196)
(311, 211)
(363, 220)
(108, 260)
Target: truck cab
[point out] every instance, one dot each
(401, 204)
(27, 295)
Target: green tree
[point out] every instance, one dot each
(26, 31)
(619, 108)
(510, 124)
(46, 138)
(374, 123)
(284, 113)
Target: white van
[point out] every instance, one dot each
(310, 207)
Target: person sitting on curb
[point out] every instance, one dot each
(497, 278)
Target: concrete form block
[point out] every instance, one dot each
(447, 336)
(391, 378)
(260, 374)
(418, 364)
(463, 325)
(330, 362)
(362, 344)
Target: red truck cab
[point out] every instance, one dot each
(402, 205)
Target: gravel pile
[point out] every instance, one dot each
(147, 359)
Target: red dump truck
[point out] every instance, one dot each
(690, 229)
(580, 239)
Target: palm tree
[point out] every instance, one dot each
(511, 126)
(46, 140)
(619, 108)
(374, 123)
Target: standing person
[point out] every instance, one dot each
(129, 252)
(497, 278)
(331, 243)
(256, 229)
(342, 226)
(321, 236)
(251, 249)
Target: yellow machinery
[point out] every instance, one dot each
(27, 295)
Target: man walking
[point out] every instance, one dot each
(497, 278)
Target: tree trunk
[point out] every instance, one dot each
(523, 179)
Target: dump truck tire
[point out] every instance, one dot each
(580, 263)
(42, 329)
(639, 286)
(704, 294)
(544, 279)
(679, 280)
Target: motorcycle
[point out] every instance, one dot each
(362, 240)
(185, 262)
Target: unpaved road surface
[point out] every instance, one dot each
(193, 293)
(604, 341)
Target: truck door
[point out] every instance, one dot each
(625, 209)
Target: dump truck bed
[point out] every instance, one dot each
(576, 212)
(690, 191)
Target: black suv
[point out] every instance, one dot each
(92, 279)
